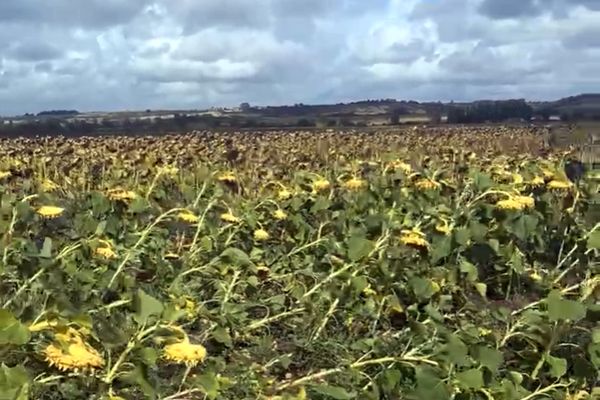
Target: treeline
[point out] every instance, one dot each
(489, 111)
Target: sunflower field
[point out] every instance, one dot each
(426, 263)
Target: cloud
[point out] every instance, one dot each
(137, 54)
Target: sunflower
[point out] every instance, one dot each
(414, 238)
(320, 185)
(49, 186)
(106, 252)
(559, 184)
(5, 174)
(261, 235)
(71, 352)
(284, 194)
(280, 215)
(227, 177)
(121, 194)
(516, 203)
(426, 184)
(229, 217)
(537, 181)
(399, 165)
(188, 217)
(355, 184)
(185, 352)
(50, 212)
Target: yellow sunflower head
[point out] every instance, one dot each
(556, 184)
(229, 217)
(321, 185)
(49, 186)
(355, 184)
(187, 216)
(70, 352)
(516, 203)
(414, 238)
(280, 215)
(185, 352)
(284, 194)
(426, 184)
(50, 212)
(106, 252)
(227, 177)
(261, 235)
(399, 165)
(119, 194)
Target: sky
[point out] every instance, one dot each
(138, 54)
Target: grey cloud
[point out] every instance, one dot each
(34, 51)
(88, 14)
(510, 8)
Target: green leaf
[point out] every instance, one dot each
(561, 309)
(221, 335)
(333, 392)
(236, 257)
(14, 383)
(470, 379)
(462, 236)
(359, 283)
(209, 384)
(455, 350)
(429, 385)
(481, 289)
(11, 330)
(469, 269)
(596, 335)
(359, 248)
(558, 366)
(489, 358)
(146, 306)
(46, 251)
(441, 248)
(149, 356)
(390, 379)
(593, 241)
(594, 352)
(137, 377)
(423, 288)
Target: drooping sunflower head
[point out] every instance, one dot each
(185, 352)
(227, 177)
(355, 184)
(516, 203)
(229, 217)
(106, 252)
(556, 184)
(280, 215)
(70, 352)
(321, 185)
(414, 238)
(119, 194)
(426, 184)
(261, 235)
(50, 212)
(188, 216)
